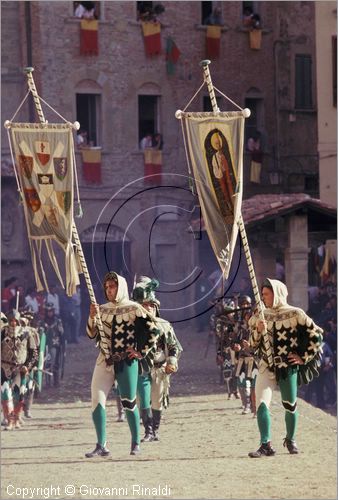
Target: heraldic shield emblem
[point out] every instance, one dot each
(60, 167)
(32, 199)
(42, 150)
(64, 200)
(26, 165)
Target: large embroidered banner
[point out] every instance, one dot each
(215, 148)
(44, 163)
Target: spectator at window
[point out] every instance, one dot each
(256, 22)
(255, 147)
(147, 141)
(215, 18)
(157, 142)
(251, 19)
(247, 17)
(148, 13)
(85, 10)
(81, 138)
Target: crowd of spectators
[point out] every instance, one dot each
(67, 308)
(322, 391)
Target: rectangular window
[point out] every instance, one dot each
(248, 6)
(144, 10)
(207, 103)
(303, 81)
(148, 115)
(88, 111)
(206, 11)
(249, 13)
(87, 10)
(334, 70)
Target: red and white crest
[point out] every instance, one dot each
(42, 149)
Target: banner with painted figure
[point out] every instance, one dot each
(44, 163)
(215, 149)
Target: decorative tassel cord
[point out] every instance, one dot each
(13, 163)
(21, 104)
(228, 98)
(188, 161)
(54, 110)
(193, 97)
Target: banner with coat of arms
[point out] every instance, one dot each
(44, 163)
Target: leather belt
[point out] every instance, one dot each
(115, 358)
(278, 360)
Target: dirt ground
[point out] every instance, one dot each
(203, 451)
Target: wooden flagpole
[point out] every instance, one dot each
(242, 231)
(104, 343)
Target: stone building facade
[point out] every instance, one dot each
(137, 228)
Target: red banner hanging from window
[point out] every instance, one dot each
(153, 166)
(213, 41)
(152, 37)
(91, 165)
(89, 43)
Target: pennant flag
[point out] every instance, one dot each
(213, 41)
(91, 165)
(215, 149)
(152, 37)
(153, 166)
(89, 43)
(172, 56)
(44, 161)
(255, 39)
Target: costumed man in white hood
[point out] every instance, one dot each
(295, 342)
(154, 379)
(131, 336)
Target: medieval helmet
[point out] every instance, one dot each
(245, 299)
(144, 291)
(49, 306)
(228, 305)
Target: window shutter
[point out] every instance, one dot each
(303, 82)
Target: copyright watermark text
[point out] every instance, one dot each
(72, 490)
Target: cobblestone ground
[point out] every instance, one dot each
(202, 452)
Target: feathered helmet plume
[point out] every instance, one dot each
(144, 291)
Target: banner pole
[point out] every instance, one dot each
(103, 343)
(267, 347)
